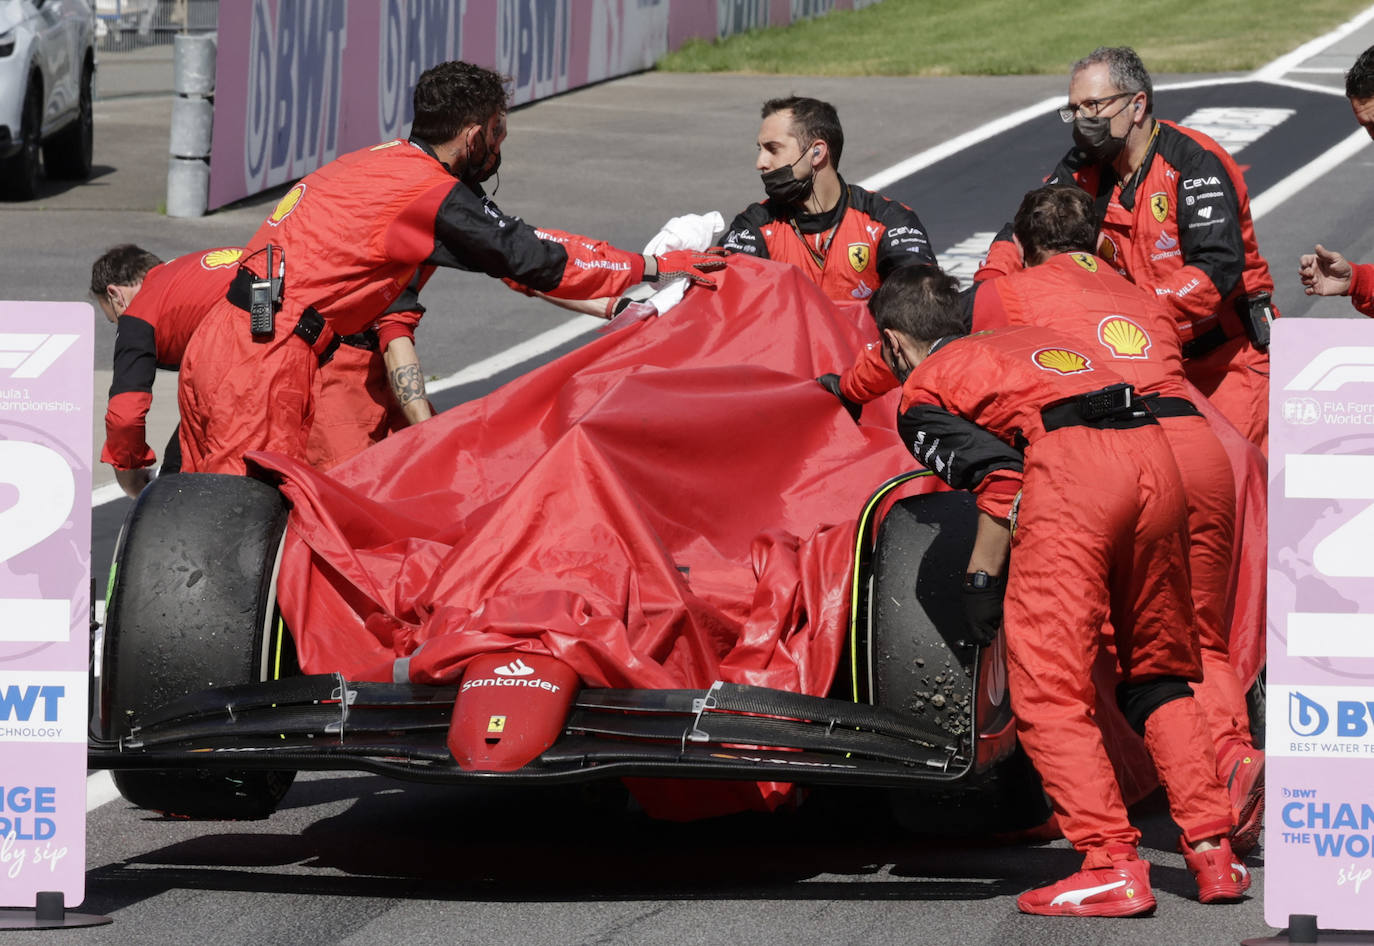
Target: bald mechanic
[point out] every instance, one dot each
(846, 239)
(1079, 485)
(1326, 272)
(158, 306)
(344, 243)
(1066, 288)
(1174, 218)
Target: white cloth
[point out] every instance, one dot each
(687, 232)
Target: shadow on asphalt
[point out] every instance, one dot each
(405, 841)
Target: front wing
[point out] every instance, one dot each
(729, 731)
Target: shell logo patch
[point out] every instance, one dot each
(386, 144)
(1123, 338)
(218, 259)
(1061, 361)
(1084, 260)
(1106, 248)
(288, 203)
(496, 724)
(859, 255)
(1159, 206)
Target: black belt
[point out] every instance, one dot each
(1216, 336)
(366, 340)
(1208, 341)
(1172, 407)
(1111, 408)
(310, 328)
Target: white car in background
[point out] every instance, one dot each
(47, 83)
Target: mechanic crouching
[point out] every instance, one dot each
(1065, 287)
(1075, 478)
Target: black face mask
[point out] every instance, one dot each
(477, 170)
(782, 184)
(1094, 138)
(900, 371)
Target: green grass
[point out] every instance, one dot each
(1020, 37)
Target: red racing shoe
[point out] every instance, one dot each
(1242, 772)
(1220, 875)
(1120, 890)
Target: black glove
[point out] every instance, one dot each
(983, 606)
(831, 382)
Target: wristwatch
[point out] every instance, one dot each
(978, 581)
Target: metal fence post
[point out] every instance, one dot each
(188, 169)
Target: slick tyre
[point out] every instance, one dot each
(192, 604)
(21, 174)
(68, 154)
(923, 665)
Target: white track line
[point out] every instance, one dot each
(1308, 173)
(533, 348)
(1290, 61)
(100, 790)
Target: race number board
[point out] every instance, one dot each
(46, 375)
(1319, 780)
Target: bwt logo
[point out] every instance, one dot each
(1308, 718)
(1301, 410)
(294, 76)
(533, 46)
(29, 354)
(1335, 367)
(414, 36)
(19, 703)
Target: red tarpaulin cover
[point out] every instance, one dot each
(671, 504)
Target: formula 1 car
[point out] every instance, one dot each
(200, 710)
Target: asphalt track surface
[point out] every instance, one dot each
(362, 859)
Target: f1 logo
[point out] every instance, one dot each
(29, 354)
(1335, 367)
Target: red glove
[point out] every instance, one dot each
(688, 264)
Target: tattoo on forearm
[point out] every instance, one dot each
(408, 384)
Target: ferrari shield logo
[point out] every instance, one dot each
(1159, 206)
(496, 724)
(1084, 260)
(859, 254)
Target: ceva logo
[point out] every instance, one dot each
(29, 354)
(19, 703)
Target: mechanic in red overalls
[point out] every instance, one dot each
(344, 243)
(1066, 288)
(846, 239)
(372, 386)
(1326, 272)
(1174, 218)
(158, 306)
(1077, 482)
